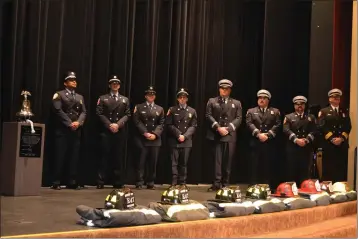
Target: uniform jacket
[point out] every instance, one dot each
(296, 128)
(268, 122)
(333, 125)
(111, 111)
(181, 122)
(221, 114)
(67, 109)
(149, 120)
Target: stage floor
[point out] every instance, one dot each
(55, 211)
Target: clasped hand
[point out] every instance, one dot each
(223, 131)
(150, 136)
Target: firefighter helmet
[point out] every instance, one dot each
(340, 187)
(120, 199)
(287, 189)
(310, 186)
(178, 194)
(256, 192)
(228, 194)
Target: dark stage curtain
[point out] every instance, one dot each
(167, 43)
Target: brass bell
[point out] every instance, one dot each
(25, 112)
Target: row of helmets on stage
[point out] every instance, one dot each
(120, 208)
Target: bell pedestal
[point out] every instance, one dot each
(21, 159)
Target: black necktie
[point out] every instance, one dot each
(335, 109)
(73, 95)
(115, 97)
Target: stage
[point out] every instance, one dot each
(54, 212)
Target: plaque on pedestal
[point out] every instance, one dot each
(21, 159)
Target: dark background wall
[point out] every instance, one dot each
(171, 44)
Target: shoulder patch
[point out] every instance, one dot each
(319, 113)
(168, 113)
(285, 120)
(135, 109)
(98, 101)
(55, 96)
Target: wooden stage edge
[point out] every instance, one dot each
(244, 226)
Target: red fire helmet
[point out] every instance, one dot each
(310, 186)
(287, 189)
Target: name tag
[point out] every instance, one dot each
(233, 106)
(272, 112)
(143, 112)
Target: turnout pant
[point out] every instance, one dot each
(112, 146)
(67, 147)
(179, 158)
(223, 153)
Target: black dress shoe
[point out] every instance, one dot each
(100, 186)
(55, 187)
(151, 187)
(138, 187)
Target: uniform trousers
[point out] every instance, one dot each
(223, 153)
(67, 147)
(298, 162)
(334, 162)
(147, 155)
(112, 146)
(179, 158)
(262, 156)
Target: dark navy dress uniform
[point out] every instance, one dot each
(148, 119)
(112, 109)
(68, 107)
(334, 122)
(262, 154)
(180, 121)
(222, 112)
(299, 126)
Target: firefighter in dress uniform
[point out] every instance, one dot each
(181, 123)
(299, 128)
(335, 125)
(224, 116)
(70, 112)
(263, 123)
(149, 120)
(114, 112)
